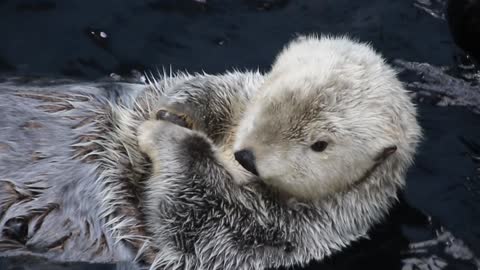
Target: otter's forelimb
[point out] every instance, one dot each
(195, 211)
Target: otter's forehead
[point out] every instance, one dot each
(293, 116)
(306, 95)
(336, 105)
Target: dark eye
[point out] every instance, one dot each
(319, 146)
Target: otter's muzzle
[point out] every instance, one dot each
(246, 158)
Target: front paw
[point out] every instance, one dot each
(154, 135)
(174, 117)
(146, 134)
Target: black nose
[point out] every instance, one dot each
(246, 158)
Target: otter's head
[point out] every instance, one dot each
(330, 114)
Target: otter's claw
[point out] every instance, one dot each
(178, 119)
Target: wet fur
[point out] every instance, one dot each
(202, 219)
(72, 172)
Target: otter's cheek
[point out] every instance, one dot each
(270, 168)
(262, 169)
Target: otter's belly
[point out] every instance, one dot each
(50, 202)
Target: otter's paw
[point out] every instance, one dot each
(152, 135)
(146, 135)
(173, 117)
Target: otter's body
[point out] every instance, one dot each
(71, 173)
(189, 205)
(326, 139)
(53, 196)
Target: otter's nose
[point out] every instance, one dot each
(246, 158)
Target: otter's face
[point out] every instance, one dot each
(328, 113)
(297, 144)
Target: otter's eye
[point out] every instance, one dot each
(319, 146)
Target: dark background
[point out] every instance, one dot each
(62, 38)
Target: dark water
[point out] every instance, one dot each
(91, 39)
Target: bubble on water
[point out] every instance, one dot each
(99, 37)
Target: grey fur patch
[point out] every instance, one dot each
(87, 197)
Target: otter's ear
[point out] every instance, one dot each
(385, 153)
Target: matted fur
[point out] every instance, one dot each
(201, 218)
(75, 185)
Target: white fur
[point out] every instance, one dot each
(91, 180)
(358, 96)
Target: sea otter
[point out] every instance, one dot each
(273, 170)
(327, 138)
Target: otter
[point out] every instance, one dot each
(201, 171)
(326, 137)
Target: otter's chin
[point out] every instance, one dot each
(290, 189)
(270, 182)
(280, 187)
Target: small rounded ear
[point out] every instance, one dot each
(385, 153)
